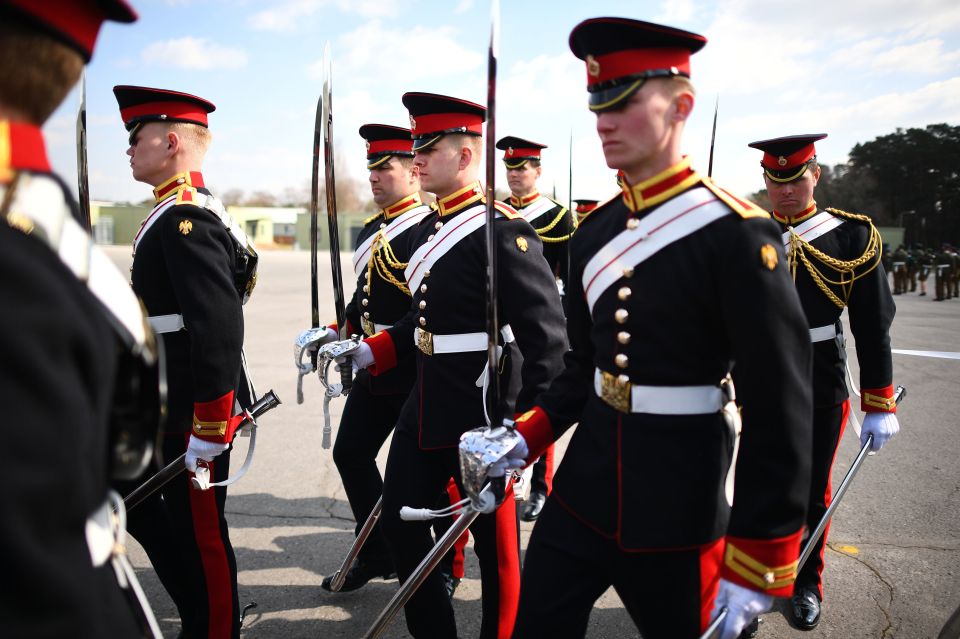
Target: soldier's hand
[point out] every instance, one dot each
(743, 606)
(202, 449)
(882, 426)
(515, 458)
(310, 340)
(360, 358)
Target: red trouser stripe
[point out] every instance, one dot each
(461, 542)
(828, 494)
(508, 561)
(548, 476)
(213, 556)
(711, 558)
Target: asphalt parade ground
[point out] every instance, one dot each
(893, 558)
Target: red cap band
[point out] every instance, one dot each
(785, 162)
(173, 110)
(435, 122)
(375, 147)
(620, 64)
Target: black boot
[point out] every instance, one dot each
(750, 630)
(805, 608)
(361, 572)
(449, 582)
(533, 506)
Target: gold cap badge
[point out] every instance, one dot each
(768, 255)
(185, 227)
(593, 67)
(782, 161)
(522, 244)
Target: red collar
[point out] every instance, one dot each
(21, 149)
(520, 202)
(660, 187)
(402, 206)
(461, 199)
(180, 181)
(802, 216)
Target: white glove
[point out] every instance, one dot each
(202, 449)
(359, 359)
(515, 458)
(743, 606)
(882, 426)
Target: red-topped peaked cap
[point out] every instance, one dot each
(139, 105)
(786, 159)
(385, 141)
(621, 54)
(516, 151)
(74, 22)
(432, 116)
(585, 206)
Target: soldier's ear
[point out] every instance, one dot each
(683, 106)
(466, 156)
(173, 142)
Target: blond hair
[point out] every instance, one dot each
(197, 137)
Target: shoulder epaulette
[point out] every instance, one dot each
(743, 208)
(187, 196)
(508, 211)
(847, 215)
(592, 213)
(372, 218)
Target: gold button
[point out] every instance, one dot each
(423, 304)
(623, 337)
(430, 237)
(621, 316)
(623, 379)
(438, 225)
(768, 577)
(383, 225)
(426, 273)
(423, 321)
(621, 360)
(365, 301)
(633, 223)
(366, 288)
(423, 288)
(180, 181)
(366, 314)
(628, 272)
(624, 293)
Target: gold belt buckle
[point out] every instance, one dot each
(425, 341)
(368, 326)
(614, 392)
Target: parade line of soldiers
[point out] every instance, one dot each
(908, 266)
(693, 338)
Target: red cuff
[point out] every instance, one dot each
(384, 352)
(766, 565)
(877, 400)
(333, 327)
(536, 429)
(213, 421)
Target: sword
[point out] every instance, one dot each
(326, 100)
(844, 485)
(713, 136)
(83, 181)
(314, 205)
(174, 468)
(341, 575)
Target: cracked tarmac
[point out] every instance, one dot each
(290, 522)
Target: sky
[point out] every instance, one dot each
(855, 69)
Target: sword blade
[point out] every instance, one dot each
(713, 136)
(83, 180)
(330, 182)
(493, 323)
(314, 214)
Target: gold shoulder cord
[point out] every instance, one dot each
(382, 258)
(546, 229)
(802, 251)
(372, 218)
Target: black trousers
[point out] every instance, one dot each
(828, 426)
(568, 566)
(366, 423)
(414, 477)
(541, 479)
(185, 535)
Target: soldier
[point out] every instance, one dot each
(834, 257)
(445, 329)
(899, 267)
(913, 267)
(954, 282)
(642, 499)
(69, 331)
(555, 225)
(925, 262)
(193, 269)
(584, 206)
(381, 298)
(943, 267)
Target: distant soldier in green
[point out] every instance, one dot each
(899, 270)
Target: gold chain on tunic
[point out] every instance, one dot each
(802, 251)
(383, 259)
(548, 227)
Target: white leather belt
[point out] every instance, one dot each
(823, 333)
(431, 344)
(658, 400)
(166, 323)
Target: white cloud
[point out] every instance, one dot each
(283, 16)
(463, 6)
(675, 12)
(194, 53)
